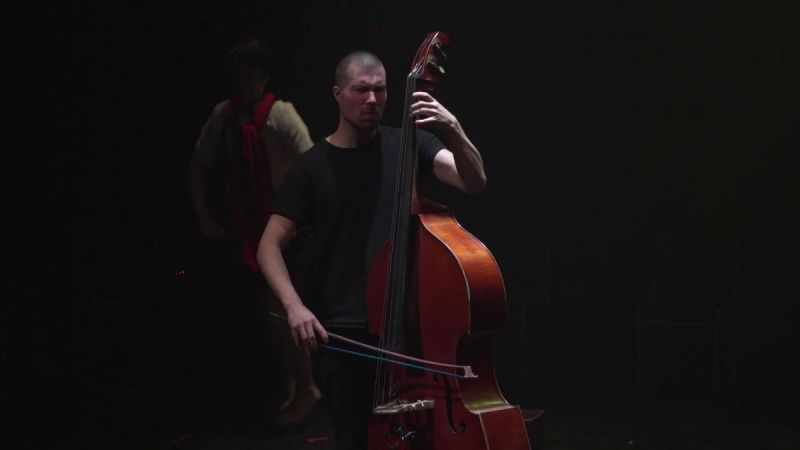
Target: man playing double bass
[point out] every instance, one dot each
(343, 187)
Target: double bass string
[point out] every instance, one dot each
(399, 248)
(391, 336)
(380, 375)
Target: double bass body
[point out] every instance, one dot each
(456, 300)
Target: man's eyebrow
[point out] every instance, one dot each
(369, 86)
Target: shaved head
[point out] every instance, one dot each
(358, 58)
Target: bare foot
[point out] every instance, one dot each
(281, 403)
(300, 406)
(291, 385)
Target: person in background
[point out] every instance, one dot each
(248, 142)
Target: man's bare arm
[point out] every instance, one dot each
(304, 324)
(460, 164)
(197, 184)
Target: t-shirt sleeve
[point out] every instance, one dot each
(288, 138)
(205, 150)
(292, 130)
(294, 199)
(428, 146)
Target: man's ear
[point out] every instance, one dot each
(336, 92)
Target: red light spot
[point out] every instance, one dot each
(316, 439)
(180, 439)
(180, 273)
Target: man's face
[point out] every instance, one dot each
(363, 97)
(249, 82)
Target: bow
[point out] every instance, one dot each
(466, 371)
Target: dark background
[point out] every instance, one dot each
(641, 200)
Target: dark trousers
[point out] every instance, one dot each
(347, 383)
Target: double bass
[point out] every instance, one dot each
(435, 295)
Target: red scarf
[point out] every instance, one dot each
(250, 182)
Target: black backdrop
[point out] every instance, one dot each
(637, 156)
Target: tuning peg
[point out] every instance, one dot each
(439, 50)
(436, 67)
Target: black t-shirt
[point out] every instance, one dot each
(347, 196)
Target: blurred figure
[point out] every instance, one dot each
(244, 150)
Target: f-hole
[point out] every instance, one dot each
(448, 395)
